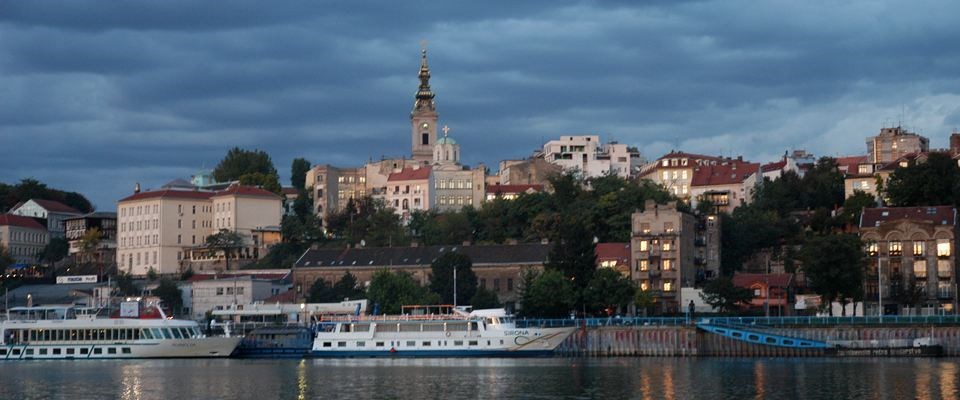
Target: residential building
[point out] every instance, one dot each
(868, 178)
(663, 252)
(454, 186)
(593, 159)
(23, 238)
(771, 292)
(914, 248)
(106, 224)
(510, 192)
(244, 210)
(675, 171)
(333, 187)
(155, 228)
(798, 162)
(893, 143)
(531, 171)
(409, 190)
(727, 184)
(53, 212)
(614, 255)
(498, 267)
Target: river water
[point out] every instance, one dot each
(572, 378)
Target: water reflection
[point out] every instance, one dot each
(639, 378)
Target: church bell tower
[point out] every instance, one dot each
(423, 118)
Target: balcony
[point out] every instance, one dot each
(945, 292)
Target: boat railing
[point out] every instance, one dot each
(744, 322)
(384, 317)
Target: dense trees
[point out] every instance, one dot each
(931, 182)
(298, 173)
(834, 265)
(609, 292)
(28, 189)
(170, 295)
(53, 252)
(723, 295)
(249, 167)
(226, 241)
(546, 294)
(346, 288)
(391, 290)
(442, 281)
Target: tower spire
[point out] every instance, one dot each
(424, 94)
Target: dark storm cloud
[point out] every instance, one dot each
(121, 92)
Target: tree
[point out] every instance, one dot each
(269, 182)
(485, 298)
(321, 292)
(644, 300)
(834, 264)
(152, 274)
(723, 295)
(548, 294)
(573, 253)
(225, 241)
(854, 205)
(6, 260)
(298, 173)
(933, 182)
(125, 285)
(56, 250)
(609, 291)
(442, 282)
(347, 288)
(170, 295)
(392, 290)
(239, 162)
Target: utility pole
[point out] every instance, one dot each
(454, 286)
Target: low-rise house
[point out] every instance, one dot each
(614, 255)
(53, 212)
(23, 238)
(771, 292)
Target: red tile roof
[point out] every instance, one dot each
(169, 193)
(241, 190)
(726, 173)
(769, 167)
(289, 191)
(410, 174)
(513, 188)
(50, 205)
(937, 215)
(287, 297)
(21, 221)
(773, 280)
(613, 251)
(850, 163)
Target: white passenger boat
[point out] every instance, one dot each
(65, 332)
(481, 333)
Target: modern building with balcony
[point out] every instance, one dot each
(913, 250)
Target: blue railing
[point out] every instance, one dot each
(744, 321)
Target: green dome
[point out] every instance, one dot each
(446, 140)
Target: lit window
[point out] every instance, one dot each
(667, 286)
(943, 248)
(667, 264)
(643, 245)
(918, 248)
(896, 248)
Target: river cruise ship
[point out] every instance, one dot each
(481, 333)
(66, 332)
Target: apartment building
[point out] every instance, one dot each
(23, 238)
(592, 158)
(893, 143)
(663, 253)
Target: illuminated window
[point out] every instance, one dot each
(643, 265)
(667, 265)
(645, 228)
(918, 248)
(643, 245)
(872, 249)
(667, 286)
(943, 248)
(644, 285)
(896, 248)
(667, 245)
(920, 268)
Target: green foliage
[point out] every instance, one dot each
(933, 182)
(270, 182)
(125, 285)
(392, 290)
(298, 173)
(854, 205)
(433, 228)
(723, 295)
(56, 250)
(644, 300)
(152, 274)
(303, 205)
(573, 253)
(609, 291)
(485, 298)
(548, 294)
(226, 241)
(441, 277)
(344, 289)
(29, 188)
(834, 265)
(170, 295)
(369, 220)
(239, 162)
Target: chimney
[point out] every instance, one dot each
(136, 188)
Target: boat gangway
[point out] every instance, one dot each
(756, 336)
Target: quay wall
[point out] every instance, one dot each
(687, 341)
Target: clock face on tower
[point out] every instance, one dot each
(424, 125)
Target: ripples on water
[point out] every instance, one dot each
(574, 378)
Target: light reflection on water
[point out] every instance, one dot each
(640, 378)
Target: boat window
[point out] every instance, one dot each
(126, 350)
(43, 352)
(176, 333)
(46, 335)
(473, 326)
(411, 343)
(83, 351)
(3, 352)
(56, 351)
(361, 344)
(501, 341)
(186, 333)
(345, 328)
(341, 344)
(425, 343)
(379, 344)
(488, 343)
(71, 351)
(112, 350)
(327, 344)
(98, 351)
(16, 352)
(29, 352)
(147, 334)
(458, 343)
(472, 343)
(506, 320)
(157, 333)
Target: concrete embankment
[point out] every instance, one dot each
(687, 341)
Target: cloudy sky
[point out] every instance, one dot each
(98, 95)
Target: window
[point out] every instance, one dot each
(379, 344)
(425, 139)
(920, 268)
(645, 227)
(194, 209)
(666, 174)
(219, 291)
(872, 249)
(667, 286)
(472, 343)
(944, 268)
(112, 350)
(425, 343)
(668, 227)
(896, 248)
(97, 351)
(667, 245)
(918, 248)
(943, 248)
(509, 284)
(667, 264)
(643, 265)
(341, 344)
(496, 284)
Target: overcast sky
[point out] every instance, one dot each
(98, 95)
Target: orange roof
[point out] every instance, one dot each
(21, 221)
(850, 163)
(169, 193)
(241, 190)
(773, 166)
(410, 174)
(726, 173)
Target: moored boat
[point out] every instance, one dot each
(481, 333)
(66, 332)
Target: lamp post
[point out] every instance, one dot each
(879, 286)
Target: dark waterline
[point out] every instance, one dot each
(574, 378)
